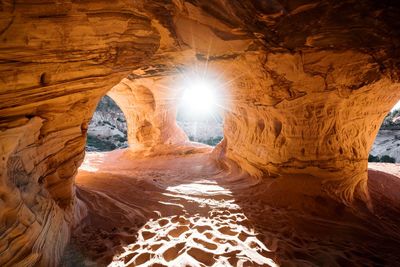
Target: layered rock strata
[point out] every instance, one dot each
(57, 60)
(150, 108)
(312, 112)
(309, 83)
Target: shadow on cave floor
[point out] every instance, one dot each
(185, 211)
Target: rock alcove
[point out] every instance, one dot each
(309, 84)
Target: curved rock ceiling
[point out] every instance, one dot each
(310, 83)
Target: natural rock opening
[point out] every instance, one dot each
(386, 147)
(208, 131)
(309, 85)
(108, 128)
(201, 104)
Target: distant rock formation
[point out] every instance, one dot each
(386, 147)
(206, 132)
(107, 129)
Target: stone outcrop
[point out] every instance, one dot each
(301, 120)
(57, 60)
(107, 129)
(150, 109)
(386, 147)
(308, 84)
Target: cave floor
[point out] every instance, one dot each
(187, 211)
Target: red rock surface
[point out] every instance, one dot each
(173, 210)
(307, 86)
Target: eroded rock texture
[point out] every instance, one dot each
(311, 112)
(57, 60)
(309, 83)
(150, 109)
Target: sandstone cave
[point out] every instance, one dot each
(303, 88)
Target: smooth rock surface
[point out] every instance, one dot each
(308, 84)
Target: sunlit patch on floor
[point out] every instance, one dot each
(200, 188)
(219, 235)
(92, 163)
(185, 212)
(203, 193)
(220, 239)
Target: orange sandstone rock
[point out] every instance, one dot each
(308, 84)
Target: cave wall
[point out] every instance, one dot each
(314, 113)
(150, 108)
(57, 60)
(309, 83)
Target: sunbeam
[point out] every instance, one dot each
(201, 96)
(199, 99)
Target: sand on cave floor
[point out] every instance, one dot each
(187, 211)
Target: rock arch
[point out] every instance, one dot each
(309, 91)
(150, 108)
(311, 124)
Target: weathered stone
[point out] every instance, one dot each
(309, 83)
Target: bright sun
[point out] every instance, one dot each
(201, 94)
(200, 98)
